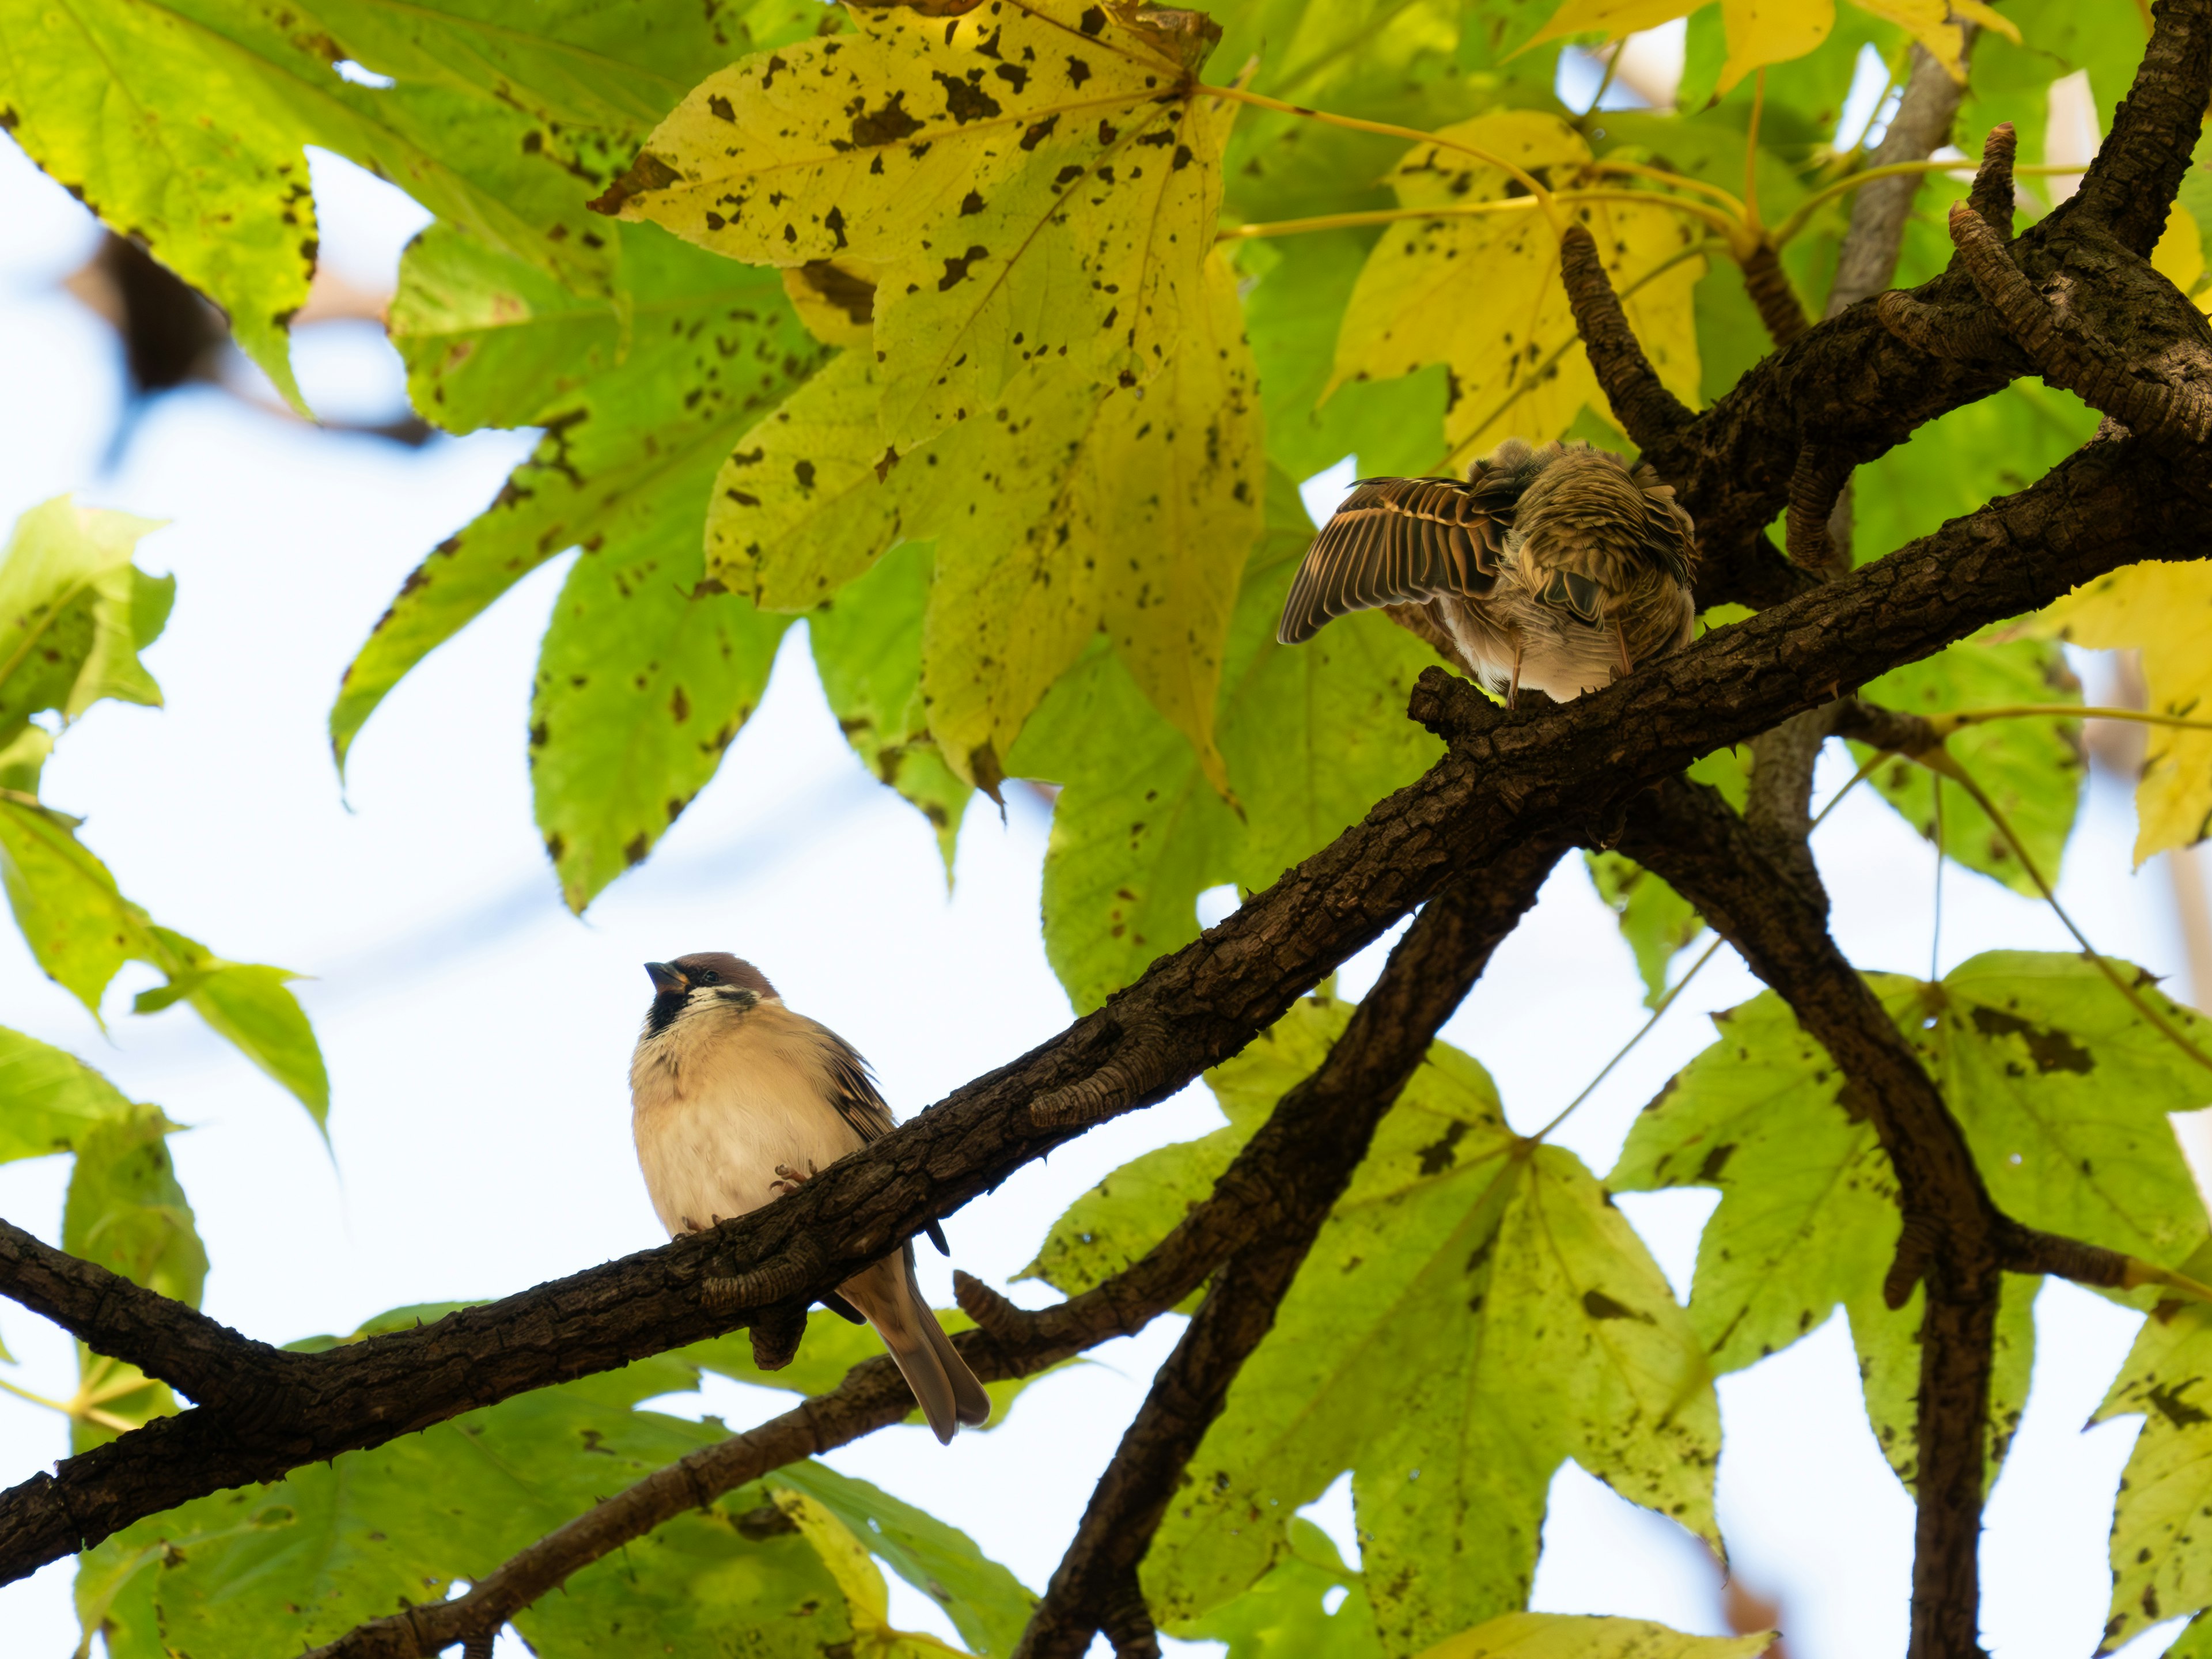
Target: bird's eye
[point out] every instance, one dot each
(706, 977)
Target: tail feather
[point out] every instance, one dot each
(889, 1296)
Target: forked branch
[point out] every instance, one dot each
(1308, 1149)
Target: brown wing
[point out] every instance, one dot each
(853, 1090)
(861, 1104)
(1398, 541)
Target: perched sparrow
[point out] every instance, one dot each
(735, 1101)
(1555, 567)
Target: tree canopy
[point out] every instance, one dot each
(993, 339)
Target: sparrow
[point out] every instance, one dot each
(736, 1100)
(1557, 567)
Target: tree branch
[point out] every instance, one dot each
(1320, 1130)
(199, 1357)
(1850, 384)
(1689, 837)
(2131, 184)
(1509, 775)
(1307, 1130)
(1868, 258)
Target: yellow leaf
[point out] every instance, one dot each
(2166, 612)
(1973, 11)
(1481, 294)
(1613, 18)
(1063, 507)
(1763, 32)
(799, 508)
(867, 1602)
(1929, 21)
(1572, 1636)
(1037, 180)
(1171, 497)
(2179, 255)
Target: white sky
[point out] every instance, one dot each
(478, 1036)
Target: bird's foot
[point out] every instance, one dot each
(789, 1180)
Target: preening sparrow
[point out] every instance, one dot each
(736, 1100)
(1556, 568)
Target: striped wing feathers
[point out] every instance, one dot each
(1397, 541)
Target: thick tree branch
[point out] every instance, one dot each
(1954, 1241)
(1509, 776)
(201, 1359)
(2163, 396)
(1851, 384)
(1322, 1129)
(1687, 835)
(2131, 184)
(1312, 1128)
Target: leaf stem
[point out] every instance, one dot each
(1466, 210)
(1751, 151)
(1936, 932)
(1805, 210)
(1682, 984)
(1942, 761)
(1388, 130)
(1622, 1052)
(1945, 724)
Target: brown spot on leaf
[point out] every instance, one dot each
(2051, 1049)
(1598, 1305)
(886, 126)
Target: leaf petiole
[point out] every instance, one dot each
(1413, 135)
(1942, 763)
(1957, 719)
(1682, 984)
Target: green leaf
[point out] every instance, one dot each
(1109, 1227)
(987, 1605)
(644, 676)
(1573, 1636)
(1657, 921)
(867, 651)
(1294, 313)
(1473, 1311)
(126, 1212)
(1284, 1616)
(77, 613)
(2063, 1093)
(79, 928)
(632, 439)
(246, 1005)
(2057, 37)
(1312, 736)
(1956, 463)
(2162, 1555)
(49, 1100)
(183, 125)
(2032, 768)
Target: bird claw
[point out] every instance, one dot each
(789, 1180)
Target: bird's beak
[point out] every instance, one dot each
(665, 978)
